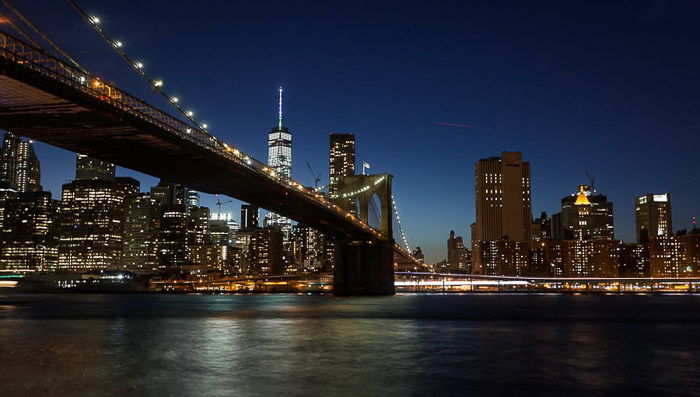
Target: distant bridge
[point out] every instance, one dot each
(44, 98)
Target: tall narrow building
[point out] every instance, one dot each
(249, 217)
(279, 157)
(19, 166)
(653, 216)
(342, 158)
(503, 203)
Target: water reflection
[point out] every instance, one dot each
(321, 345)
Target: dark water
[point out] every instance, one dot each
(320, 345)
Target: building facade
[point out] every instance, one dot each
(342, 158)
(29, 234)
(19, 167)
(457, 254)
(503, 205)
(653, 217)
(586, 215)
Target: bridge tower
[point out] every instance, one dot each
(365, 267)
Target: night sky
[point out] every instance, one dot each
(611, 88)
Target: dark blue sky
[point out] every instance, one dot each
(607, 87)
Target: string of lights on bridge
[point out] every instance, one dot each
(398, 221)
(138, 66)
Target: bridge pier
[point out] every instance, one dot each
(364, 268)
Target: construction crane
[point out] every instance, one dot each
(317, 178)
(219, 203)
(591, 180)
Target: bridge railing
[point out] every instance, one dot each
(42, 62)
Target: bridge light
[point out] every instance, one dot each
(138, 65)
(189, 130)
(204, 125)
(174, 99)
(118, 44)
(158, 83)
(190, 113)
(95, 20)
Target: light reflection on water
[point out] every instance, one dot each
(321, 345)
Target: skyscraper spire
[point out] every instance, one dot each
(280, 110)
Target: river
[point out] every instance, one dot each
(320, 345)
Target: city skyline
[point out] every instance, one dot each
(553, 174)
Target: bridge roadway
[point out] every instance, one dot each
(48, 100)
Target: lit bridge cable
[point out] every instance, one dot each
(398, 221)
(137, 66)
(40, 33)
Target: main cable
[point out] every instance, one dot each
(155, 84)
(43, 36)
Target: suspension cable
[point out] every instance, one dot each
(19, 30)
(398, 220)
(156, 84)
(43, 36)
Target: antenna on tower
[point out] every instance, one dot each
(592, 180)
(280, 110)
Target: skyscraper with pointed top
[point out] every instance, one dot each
(279, 157)
(279, 145)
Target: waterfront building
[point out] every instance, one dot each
(172, 236)
(90, 225)
(19, 167)
(91, 219)
(29, 235)
(266, 251)
(457, 254)
(503, 208)
(504, 257)
(634, 260)
(586, 215)
(141, 215)
(591, 258)
(675, 255)
(653, 216)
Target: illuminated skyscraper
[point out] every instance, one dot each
(653, 216)
(19, 166)
(279, 157)
(140, 234)
(249, 217)
(91, 218)
(503, 204)
(342, 158)
(91, 225)
(586, 215)
(172, 236)
(456, 254)
(93, 169)
(29, 233)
